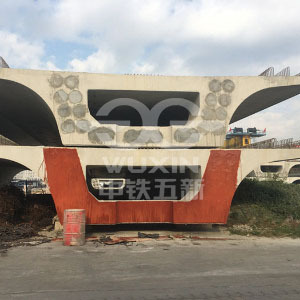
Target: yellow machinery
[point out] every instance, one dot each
(238, 138)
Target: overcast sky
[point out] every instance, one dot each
(168, 37)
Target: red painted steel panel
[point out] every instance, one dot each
(69, 190)
(212, 205)
(144, 212)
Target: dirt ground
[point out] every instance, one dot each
(28, 220)
(22, 217)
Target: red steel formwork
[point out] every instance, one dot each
(69, 189)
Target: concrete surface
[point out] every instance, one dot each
(284, 173)
(15, 159)
(53, 108)
(246, 268)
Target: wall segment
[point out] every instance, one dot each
(76, 124)
(221, 100)
(222, 171)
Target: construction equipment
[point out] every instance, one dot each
(238, 138)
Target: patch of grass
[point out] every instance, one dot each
(268, 208)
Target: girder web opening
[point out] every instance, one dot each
(263, 99)
(294, 171)
(9, 169)
(25, 118)
(143, 182)
(143, 108)
(270, 168)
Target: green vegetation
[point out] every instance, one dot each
(266, 208)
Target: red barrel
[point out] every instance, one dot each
(74, 227)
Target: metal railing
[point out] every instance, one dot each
(3, 63)
(275, 144)
(284, 72)
(270, 72)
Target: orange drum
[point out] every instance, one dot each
(74, 227)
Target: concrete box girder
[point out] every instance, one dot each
(221, 173)
(64, 116)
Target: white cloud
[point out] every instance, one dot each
(101, 62)
(281, 121)
(145, 68)
(20, 53)
(205, 37)
(175, 37)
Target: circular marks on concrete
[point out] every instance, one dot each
(142, 136)
(64, 110)
(70, 109)
(215, 85)
(83, 126)
(217, 101)
(68, 126)
(75, 97)
(131, 136)
(218, 129)
(79, 110)
(211, 99)
(221, 113)
(60, 96)
(56, 80)
(215, 127)
(228, 85)
(224, 100)
(208, 114)
(101, 135)
(71, 82)
(186, 135)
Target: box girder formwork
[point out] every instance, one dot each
(134, 148)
